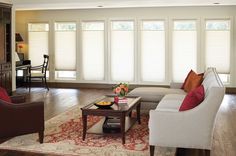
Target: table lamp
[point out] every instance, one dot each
(18, 38)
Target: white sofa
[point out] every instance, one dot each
(187, 129)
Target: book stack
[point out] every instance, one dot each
(111, 125)
(117, 100)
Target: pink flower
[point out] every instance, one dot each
(118, 89)
(126, 89)
(122, 86)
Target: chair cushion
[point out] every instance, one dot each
(37, 75)
(171, 102)
(192, 81)
(193, 99)
(4, 96)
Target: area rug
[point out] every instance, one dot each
(63, 136)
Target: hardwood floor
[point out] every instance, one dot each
(59, 100)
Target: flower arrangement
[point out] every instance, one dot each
(121, 89)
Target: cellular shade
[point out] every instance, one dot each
(93, 55)
(218, 45)
(65, 50)
(153, 52)
(122, 56)
(184, 53)
(38, 46)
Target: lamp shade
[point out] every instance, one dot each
(19, 38)
(17, 57)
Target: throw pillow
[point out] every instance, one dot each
(193, 99)
(192, 81)
(4, 96)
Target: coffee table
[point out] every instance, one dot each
(122, 111)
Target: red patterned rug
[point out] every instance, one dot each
(63, 135)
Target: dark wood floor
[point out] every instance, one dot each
(59, 100)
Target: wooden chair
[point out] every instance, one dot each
(42, 75)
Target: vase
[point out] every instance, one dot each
(120, 99)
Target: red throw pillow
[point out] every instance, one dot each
(4, 96)
(192, 81)
(193, 99)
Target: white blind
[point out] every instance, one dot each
(122, 51)
(153, 51)
(38, 42)
(218, 45)
(65, 46)
(93, 50)
(184, 53)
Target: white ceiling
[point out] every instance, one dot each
(81, 4)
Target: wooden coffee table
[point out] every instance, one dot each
(122, 111)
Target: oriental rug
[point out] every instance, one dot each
(63, 136)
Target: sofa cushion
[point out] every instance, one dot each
(192, 81)
(4, 96)
(171, 102)
(193, 99)
(154, 94)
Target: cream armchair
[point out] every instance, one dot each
(187, 129)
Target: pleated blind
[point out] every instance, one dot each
(38, 42)
(184, 52)
(153, 51)
(122, 51)
(218, 45)
(93, 50)
(65, 46)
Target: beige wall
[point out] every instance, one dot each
(6, 1)
(167, 13)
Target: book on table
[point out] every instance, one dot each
(111, 125)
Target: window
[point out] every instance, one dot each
(122, 50)
(153, 51)
(38, 42)
(184, 52)
(93, 50)
(65, 50)
(218, 47)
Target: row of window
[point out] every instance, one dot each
(121, 56)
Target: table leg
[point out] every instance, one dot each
(122, 126)
(84, 118)
(138, 112)
(130, 114)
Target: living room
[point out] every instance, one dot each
(145, 48)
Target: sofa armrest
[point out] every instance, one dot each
(21, 118)
(176, 85)
(18, 99)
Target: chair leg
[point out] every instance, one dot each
(41, 136)
(29, 84)
(45, 81)
(152, 149)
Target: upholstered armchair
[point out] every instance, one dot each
(20, 117)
